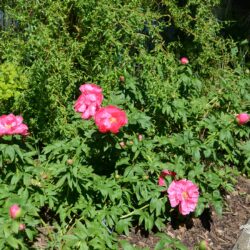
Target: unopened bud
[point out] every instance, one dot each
(203, 245)
(243, 118)
(122, 78)
(184, 60)
(15, 211)
(22, 227)
(140, 137)
(122, 144)
(70, 161)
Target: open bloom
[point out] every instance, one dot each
(11, 124)
(89, 101)
(110, 118)
(184, 60)
(243, 118)
(15, 211)
(164, 173)
(185, 194)
(90, 88)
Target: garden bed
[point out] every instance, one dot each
(221, 232)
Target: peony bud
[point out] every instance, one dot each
(70, 161)
(242, 118)
(184, 60)
(22, 227)
(122, 78)
(122, 144)
(15, 211)
(140, 137)
(203, 245)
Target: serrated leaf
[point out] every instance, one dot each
(10, 152)
(12, 242)
(123, 226)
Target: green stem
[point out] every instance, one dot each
(133, 212)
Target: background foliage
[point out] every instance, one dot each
(84, 184)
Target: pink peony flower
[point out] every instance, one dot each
(15, 211)
(184, 60)
(11, 124)
(111, 119)
(243, 118)
(90, 87)
(89, 101)
(185, 194)
(164, 173)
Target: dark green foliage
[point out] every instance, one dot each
(84, 183)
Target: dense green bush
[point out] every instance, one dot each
(13, 82)
(88, 185)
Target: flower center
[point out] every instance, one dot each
(185, 195)
(8, 126)
(112, 119)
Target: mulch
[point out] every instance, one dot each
(220, 231)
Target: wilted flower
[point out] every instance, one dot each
(15, 211)
(184, 60)
(243, 118)
(11, 124)
(89, 101)
(110, 118)
(185, 194)
(164, 173)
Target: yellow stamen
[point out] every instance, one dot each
(112, 120)
(184, 195)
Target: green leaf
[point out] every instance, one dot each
(126, 245)
(10, 152)
(218, 207)
(61, 181)
(13, 242)
(29, 233)
(123, 226)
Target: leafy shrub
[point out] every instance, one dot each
(84, 188)
(13, 82)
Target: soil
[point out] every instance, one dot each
(220, 232)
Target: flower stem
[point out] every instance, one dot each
(133, 212)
